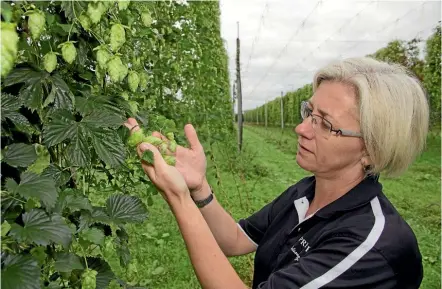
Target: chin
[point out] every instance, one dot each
(304, 163)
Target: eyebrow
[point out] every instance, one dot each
(324, 113)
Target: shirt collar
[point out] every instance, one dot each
(358, 196)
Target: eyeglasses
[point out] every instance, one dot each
(323, 126)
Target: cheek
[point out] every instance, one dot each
(337, 152)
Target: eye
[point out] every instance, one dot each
(325, 125)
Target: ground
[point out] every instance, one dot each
(267, 168)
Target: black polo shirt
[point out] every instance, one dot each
(357, 241)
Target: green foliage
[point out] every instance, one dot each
(292, 106)
(432, 80)
(72, 72)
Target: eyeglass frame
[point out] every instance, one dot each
(339, 131)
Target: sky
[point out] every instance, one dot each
(283, 42)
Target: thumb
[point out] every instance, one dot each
(192, 137)
(158, 161)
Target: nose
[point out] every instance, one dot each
(305, 129)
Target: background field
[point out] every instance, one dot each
(267, 168)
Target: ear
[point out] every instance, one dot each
(366, 161)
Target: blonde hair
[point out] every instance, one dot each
(393, 110)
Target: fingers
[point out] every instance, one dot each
(132, 125)
(159, 135)
(159, 163)
(192, 137)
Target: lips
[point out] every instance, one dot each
(304, 148)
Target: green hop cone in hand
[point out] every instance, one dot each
(163, 148)
(135, 138)
(117, 36)
(133, 80)
(36, 23)
(50, 61)
(170, 136)
(172, 146)
(170, 160)
(138, 137)
(9, 46)
(68, 51)
(89, 279)
(152, 140)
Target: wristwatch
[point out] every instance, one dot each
(202, 203)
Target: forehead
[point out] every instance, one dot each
(336, 99)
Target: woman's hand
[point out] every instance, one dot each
(190, 162)
(166, 178)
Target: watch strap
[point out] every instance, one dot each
(202, 203)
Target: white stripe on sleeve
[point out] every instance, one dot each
(357, 254)
(247, 235)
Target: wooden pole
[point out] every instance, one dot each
(282, 111)
(239, 93)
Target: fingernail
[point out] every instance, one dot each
(144, 146)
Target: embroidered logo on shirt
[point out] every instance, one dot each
(302, 246)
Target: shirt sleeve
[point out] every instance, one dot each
(335, 264)
(256, 225)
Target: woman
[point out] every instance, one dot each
(335, 229)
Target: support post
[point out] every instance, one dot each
(282, 111)
(239, 93)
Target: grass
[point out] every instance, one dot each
(243, 184)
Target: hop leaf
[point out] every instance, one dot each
(50, 61)
(9, 46)
(148, 157)
(89, 279)
(117, 36)
(146, 18)
(85, 21)
(133, 79)
(36, 23)
(68, 51)
(103, 56)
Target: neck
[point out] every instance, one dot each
(330, 188)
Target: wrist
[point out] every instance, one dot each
(202, 192)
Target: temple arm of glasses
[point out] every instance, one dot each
(350, 133)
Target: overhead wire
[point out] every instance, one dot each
(357, 43)
(339, 30)
(261, 23)
(285, 46)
